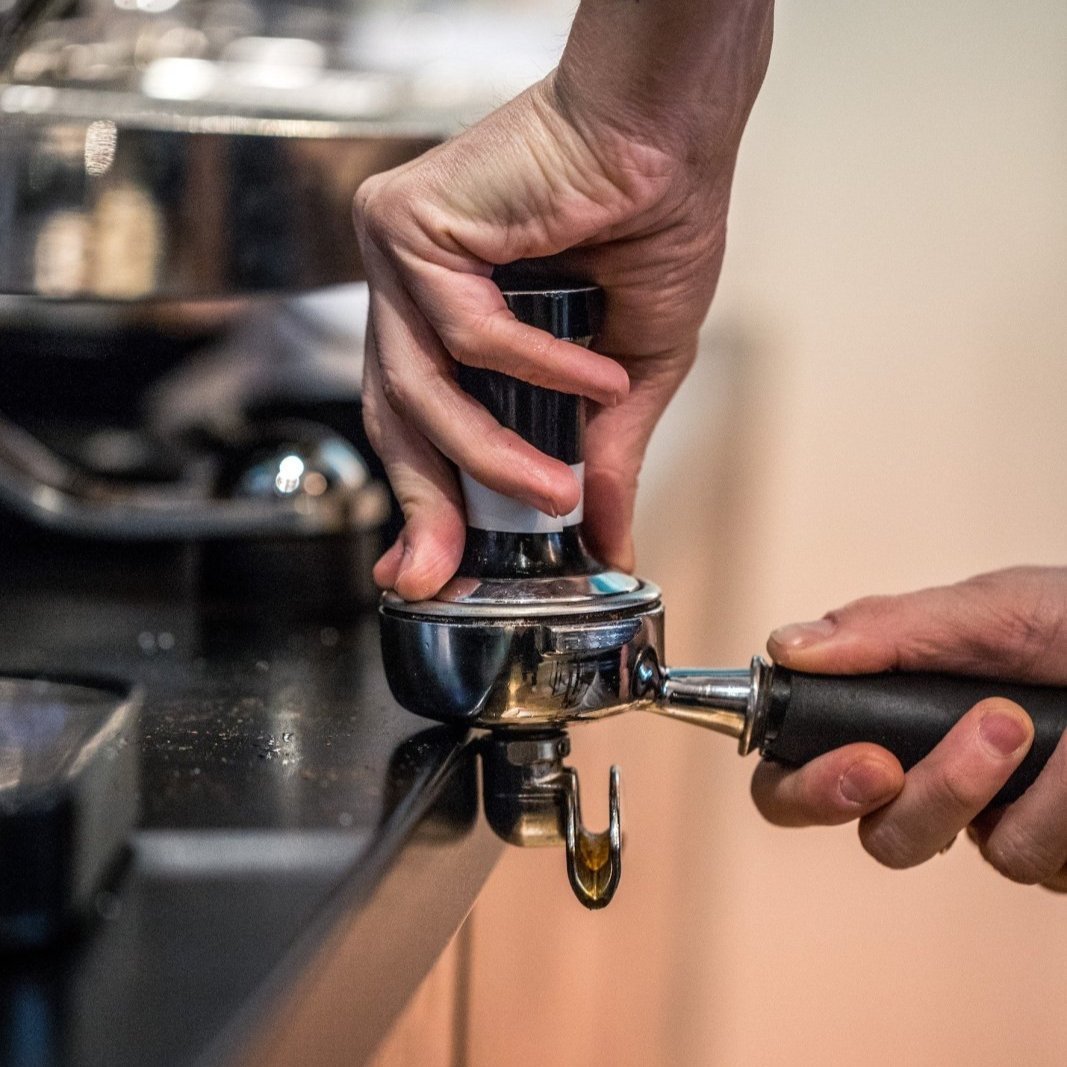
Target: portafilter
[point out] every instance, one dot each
(533, 634)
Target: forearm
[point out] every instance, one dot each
(675, 68)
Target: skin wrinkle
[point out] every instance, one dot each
(666, 102)
(1021, 856)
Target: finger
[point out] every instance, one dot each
(1008, 624)
(429, 548)
(945, 791)
(415, 378)
(1027, 841)
(843, 785)
(468, 313)
(615, 443)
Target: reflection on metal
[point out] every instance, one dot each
(532, 800)
(69, 779)
(332, 495)
(163, 206)
(100, 140)
(208, 150)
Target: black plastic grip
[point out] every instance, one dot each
(908, 714)
(554, 423)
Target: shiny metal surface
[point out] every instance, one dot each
(157, 204)
(500, 598)
(519, 669)
(532, 799)
(554, 663)
(313, 485)
(69, 798)
(524, 667)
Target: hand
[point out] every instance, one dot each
(619, 164)
(1010, 625)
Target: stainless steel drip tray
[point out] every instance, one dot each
(104, 197)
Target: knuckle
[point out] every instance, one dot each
(361, 202)
(371, 208)
(889, 844)
(394, 389)
(955, 791)
(773, 790)
(1024, 616)
(372, 423)
(1021, 856)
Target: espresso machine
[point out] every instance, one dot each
(182, 343)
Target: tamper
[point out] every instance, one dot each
(533, 634)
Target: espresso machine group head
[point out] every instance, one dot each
(533, 635)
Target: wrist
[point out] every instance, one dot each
(666, 71)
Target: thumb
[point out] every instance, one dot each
(1010, 624)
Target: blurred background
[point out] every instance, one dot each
(879, 407)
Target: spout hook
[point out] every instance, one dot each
(594, 860)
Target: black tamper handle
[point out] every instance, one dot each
(553, 422)
(907, 713)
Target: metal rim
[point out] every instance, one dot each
(643, 597)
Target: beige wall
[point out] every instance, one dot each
(881, 406)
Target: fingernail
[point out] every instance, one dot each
(1003, 734)
(866, 781)
(802, 634)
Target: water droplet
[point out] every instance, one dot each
(345, 819)
(329, 636)
(262, 665)
(146, 642)
(165, 641)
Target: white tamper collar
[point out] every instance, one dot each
(488, 510)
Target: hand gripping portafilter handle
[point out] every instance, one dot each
(908, 714)
(794, 717)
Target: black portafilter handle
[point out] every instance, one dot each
(506, 539)
(906, 713)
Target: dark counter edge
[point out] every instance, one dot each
(344, 982)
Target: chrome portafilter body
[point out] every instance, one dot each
(524, 655)
(523, 659)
